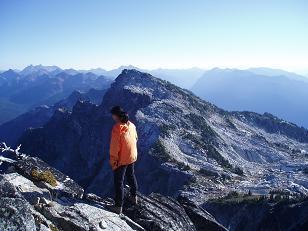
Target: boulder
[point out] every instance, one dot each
(64, 185)
(157, 212)
(15, 212)
(16, 215)
(27, 188)
(7, 189)
(74, 214)
(66, 211)
(18, 193)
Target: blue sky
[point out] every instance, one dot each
(157, 33)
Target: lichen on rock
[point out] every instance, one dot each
(45, 176)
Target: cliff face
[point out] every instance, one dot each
(186, 145)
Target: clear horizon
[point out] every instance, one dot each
(153, 69)
(159, 34)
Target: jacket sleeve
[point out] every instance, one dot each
(114, 148)
(135, 132)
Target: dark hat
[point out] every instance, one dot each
(117, 110)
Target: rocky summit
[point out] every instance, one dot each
(189, 149)
(35, 196)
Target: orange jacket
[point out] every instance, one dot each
(123, 145)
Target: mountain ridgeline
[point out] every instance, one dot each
(184, 143)
(259, 90)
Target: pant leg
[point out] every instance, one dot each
(119, 174)
(131, 179)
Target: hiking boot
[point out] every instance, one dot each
(133, 200)
(116, 209)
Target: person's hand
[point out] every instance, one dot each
(114, 165)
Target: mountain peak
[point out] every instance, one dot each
(10, 71)
(128, 71)
(40, 69)
(40, 66)
(128, 67)
(134, 75)
(9, 74)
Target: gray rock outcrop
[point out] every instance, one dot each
(30, 201)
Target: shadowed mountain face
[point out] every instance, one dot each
(186, 145)
(37, 117)
(36, 85)
(260, 214)
(260, 90)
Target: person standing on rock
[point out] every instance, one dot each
(123, 155)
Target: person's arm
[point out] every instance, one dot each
(135, 131)
(114, 147)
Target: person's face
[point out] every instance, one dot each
(115, 118)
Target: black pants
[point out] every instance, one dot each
(119, 175)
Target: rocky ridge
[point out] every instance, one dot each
(28, 203)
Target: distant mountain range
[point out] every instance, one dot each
(260, 90)
(40, 70)
(184, 78)
(23, 90)
(37, 85)
(277, 72)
